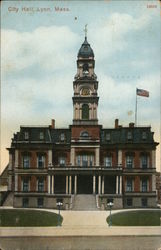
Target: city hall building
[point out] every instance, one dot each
(84, 166)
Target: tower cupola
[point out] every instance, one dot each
(85, 85)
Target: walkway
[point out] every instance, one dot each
(82, 223)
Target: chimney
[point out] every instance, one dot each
(116, 123)
(131, 125)
(53, 123)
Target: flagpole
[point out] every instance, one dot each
(136, 109)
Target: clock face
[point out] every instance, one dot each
(85, 91)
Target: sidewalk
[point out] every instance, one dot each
(81, 223)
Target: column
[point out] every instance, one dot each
(96, 112)
(75, 184)
(70, 184)
(16, 158)
(49, 184)
(16, 182)
(49, 157)
(52, 187)
(153, 183)
(103, 185)
(97, 156)
(80, 111)
(99, 185)
(74, 111)
(120, 184)
(153, 159)
(94, 184)
(67, 189)
(72, 156)
(116, 184)
(119, 157)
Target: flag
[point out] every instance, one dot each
(142, 92)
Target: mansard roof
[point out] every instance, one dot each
(120, 135)
(108, 136)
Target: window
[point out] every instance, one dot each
(84, 160)
(26, 135)
(129, 186)
(144, 161)
(129, 202)
(26, 161)
(129, 135)
(144, 185)
(84, 134)
(108, 161)
(85, 67)
(144, 135)
(91, 160)
(40, 184)
(129, 161)
(40, 202)
(25, 185)
(62, 161)
(144, 202)
(25, 202)
(78, 160)
(41, 135)
(108, 137)
(41, 161)
(62, 137)
(85, 112)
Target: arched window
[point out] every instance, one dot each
(84, 134)
(85, 67)
(85, 111)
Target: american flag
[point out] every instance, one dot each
(142, 92)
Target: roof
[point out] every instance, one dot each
(108, 136)
(85, 50)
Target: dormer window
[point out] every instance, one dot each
(129, 135)
(26, 135)
(62, 137)
(144, 135)
(41, 135)
(84, 134)
(108, 137)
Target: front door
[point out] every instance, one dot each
(85, 184)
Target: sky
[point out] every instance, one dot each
(39, 45)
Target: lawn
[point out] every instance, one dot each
(136, 218)
(28, 218)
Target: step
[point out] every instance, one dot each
(84, 202)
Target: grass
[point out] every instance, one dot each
(136, 218)
(28, 218)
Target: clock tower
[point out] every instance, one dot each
(85, 85)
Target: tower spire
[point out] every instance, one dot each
(85, 31)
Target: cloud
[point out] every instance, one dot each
(111, 34)
(47, 47)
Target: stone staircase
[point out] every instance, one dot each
(84, 202)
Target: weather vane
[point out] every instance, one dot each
(85, 30)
